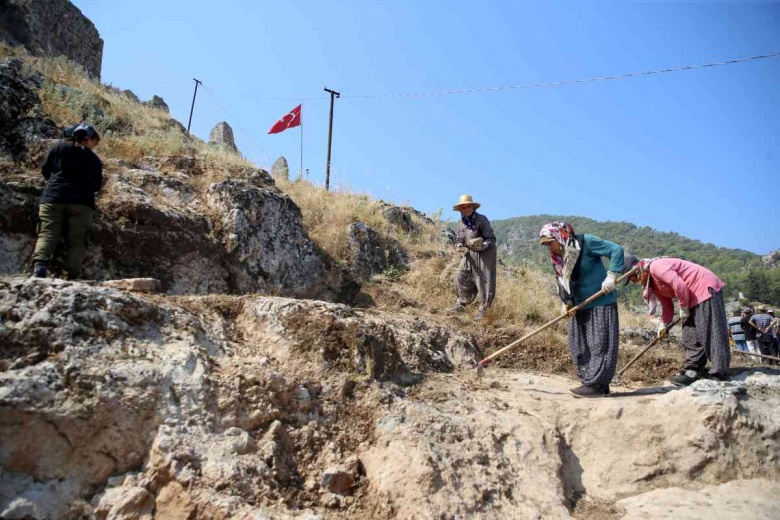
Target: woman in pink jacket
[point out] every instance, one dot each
(703, 315)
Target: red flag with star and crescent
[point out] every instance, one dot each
(290, 120)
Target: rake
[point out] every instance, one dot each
(481, 365)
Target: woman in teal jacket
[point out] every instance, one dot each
(593, 331)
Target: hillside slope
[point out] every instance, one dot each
(298, 363)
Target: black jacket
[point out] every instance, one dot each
(73, 173)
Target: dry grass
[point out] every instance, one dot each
(134, 132)
(326, 215)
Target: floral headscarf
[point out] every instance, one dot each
(563, 233)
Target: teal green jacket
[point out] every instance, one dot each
(592, 272)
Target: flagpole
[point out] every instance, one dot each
(300, 175)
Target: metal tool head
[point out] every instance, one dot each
(480, 367)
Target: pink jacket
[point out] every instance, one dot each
(686, 281)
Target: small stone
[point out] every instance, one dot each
(338, 480)
(144, 285)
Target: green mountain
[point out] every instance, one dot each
(741, 270)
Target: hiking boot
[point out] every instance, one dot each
(457, 309)
(590, 391)
(718, 377)
(685, 378)
(39, 270)
(479, 316)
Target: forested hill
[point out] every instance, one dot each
(741, 270)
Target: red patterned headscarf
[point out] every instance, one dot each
(563, 233)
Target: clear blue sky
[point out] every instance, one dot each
(693, 152)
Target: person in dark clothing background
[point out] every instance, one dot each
(74, 174)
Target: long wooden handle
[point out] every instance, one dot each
(552, 322)
(647, 347)
(756, 355)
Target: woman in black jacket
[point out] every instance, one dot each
(73, 174)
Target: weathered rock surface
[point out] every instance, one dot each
(20, 117)
(52, 28)
(280, 168)
(222, 135)
(372, 253)
(158, 102)
(156, 226)
(116, 405)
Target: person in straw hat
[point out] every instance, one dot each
(476, 273)
(593, 332)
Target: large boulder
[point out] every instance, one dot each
(261, 229)
(280, 168)
(21, 119)
(52, 28)
(222, 135)
(372, 253)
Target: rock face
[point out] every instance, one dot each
(772, 259)
(222, 135)
(262, 232)
(18, 99)
(52, 28)
(158, 102)
(114, 405)
(155, 227)
(280, 168)
(371, 253)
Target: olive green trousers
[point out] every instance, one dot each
(57, 220)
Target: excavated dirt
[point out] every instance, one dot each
(122, 406)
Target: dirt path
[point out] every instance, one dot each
(520, 446)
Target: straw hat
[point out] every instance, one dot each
(465, 199)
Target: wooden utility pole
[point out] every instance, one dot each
(333, 95)
(197, 82)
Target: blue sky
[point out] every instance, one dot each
(692, 152)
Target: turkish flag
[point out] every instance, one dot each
(290, 120)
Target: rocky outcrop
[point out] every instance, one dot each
(52, 28)
(113, 405)
(772, 259)
(155, 227)
(159, 103)
(222, 135)
(262, 232)
(372, 253)
(280, 169)
(21, 118)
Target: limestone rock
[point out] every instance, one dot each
(129, 94)
(338, 480)
(372, 254)
(280, 168)
(262, 231)
(18, 98)
(53, 28)
(145, 285)
(158, 102)
(222, 135)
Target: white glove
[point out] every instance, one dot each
(608, 285)
(685, 313)
(663, 330)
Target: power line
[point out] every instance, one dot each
(238, 124)
(563, 82)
